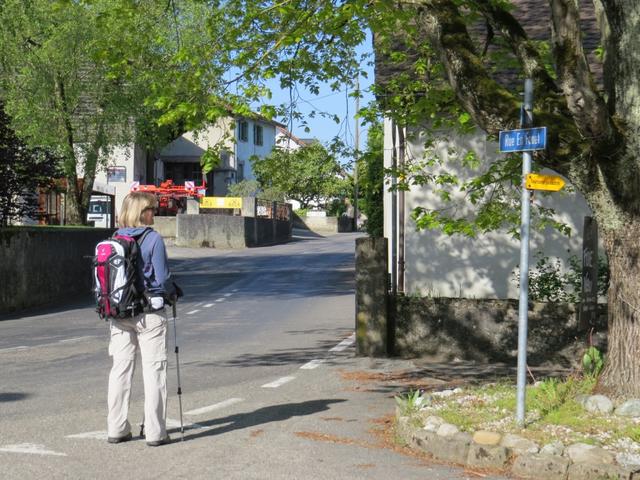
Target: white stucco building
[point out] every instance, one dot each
(236, 140)
(456, 266)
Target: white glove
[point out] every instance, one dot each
(157, 303)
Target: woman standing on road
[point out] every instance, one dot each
(146, 332)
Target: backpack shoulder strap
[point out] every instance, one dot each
(140, 238)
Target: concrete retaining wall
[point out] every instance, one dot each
(324, 224)
(223, 231)
(165, 226)
(40, 265)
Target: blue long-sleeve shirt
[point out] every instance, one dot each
(155, 265)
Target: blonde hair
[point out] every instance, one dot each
(132, 207)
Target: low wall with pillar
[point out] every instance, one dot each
(484, 330)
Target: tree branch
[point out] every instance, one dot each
(491, 106)
(526, 52)
(574, 76)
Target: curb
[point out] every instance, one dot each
(461, 449)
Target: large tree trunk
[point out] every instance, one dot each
(75, 213)
(621, 376)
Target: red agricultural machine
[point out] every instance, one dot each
(172, 199)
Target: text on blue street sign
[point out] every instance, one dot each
(523, 140)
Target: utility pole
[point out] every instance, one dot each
(357, 155)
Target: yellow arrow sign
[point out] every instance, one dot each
(550, 183)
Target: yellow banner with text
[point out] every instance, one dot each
(221, 202)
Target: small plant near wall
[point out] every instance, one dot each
(549, 283)
(411, 402)
(592, 362)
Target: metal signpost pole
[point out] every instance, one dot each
(523, 307)
(357, 156)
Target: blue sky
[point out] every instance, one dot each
(333, 102)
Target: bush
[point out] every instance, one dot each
(548, 283)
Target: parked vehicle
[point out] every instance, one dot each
(100, 211)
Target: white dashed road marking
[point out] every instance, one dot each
(208, 305)
(220, 300)
(66, 340)
(343, 345)
(11, 349)
(193, 311)
(312, 364)
(97, 435)
(215, 406)
(77, 338)
(30, 448)
(228, 294)
(278, 383)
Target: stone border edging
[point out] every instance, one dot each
(483, 449)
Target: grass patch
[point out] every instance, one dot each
(552, 412)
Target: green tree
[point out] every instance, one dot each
(371, 181)
(74, 77)
(22, 171)
(308, 174)
(245, 188)
(251, 188)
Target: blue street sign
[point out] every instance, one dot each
(523, 140)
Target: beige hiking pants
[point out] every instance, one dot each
(146, 333)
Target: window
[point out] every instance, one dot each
(117, 174)
(257, 135)
(240, 171)
(243, 132)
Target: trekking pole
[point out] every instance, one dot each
(177, 350)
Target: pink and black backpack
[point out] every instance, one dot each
(118, 282)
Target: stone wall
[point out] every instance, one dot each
(487, 330)
(372, 327)
(40, 265)
(443, 328)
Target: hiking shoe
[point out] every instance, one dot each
(126, 438)
(157, 443)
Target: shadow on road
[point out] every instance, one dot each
(13, 396)
(286, 356)
(434, 376)
(274, 413)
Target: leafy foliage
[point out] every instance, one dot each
(251, 188)
(549, 283)
(411, 402)
(22, 171)
(245, 188)
(371, 183)
(308, 174)
(592, 362)
(74, 77)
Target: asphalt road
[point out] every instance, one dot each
(271, 386)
